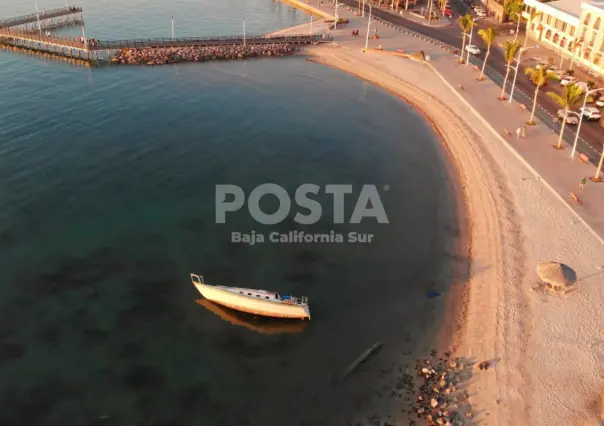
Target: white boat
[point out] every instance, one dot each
(258, 302)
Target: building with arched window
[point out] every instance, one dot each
(573, 28)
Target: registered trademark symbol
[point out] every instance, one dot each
(386, 187)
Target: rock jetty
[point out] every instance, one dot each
(172, 55)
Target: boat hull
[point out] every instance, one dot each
(254, 306)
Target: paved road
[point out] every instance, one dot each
(592, 134)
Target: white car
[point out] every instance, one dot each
(559, 73)
(549, 68)
(600, 102)
(470, 48)
(568, 80)
(570, 119)
(583, 86)
(590, 113)
(481, 13)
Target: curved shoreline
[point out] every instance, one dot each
(449, 334)
(515, 223)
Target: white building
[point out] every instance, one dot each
(572, 27)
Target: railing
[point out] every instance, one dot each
(74, 42)
(34, 36)
(45, 14)
(295, 300)
(203, 41)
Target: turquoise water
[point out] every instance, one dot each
(107, 180)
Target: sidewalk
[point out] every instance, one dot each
(555, 167)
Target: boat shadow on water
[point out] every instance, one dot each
(262, 325)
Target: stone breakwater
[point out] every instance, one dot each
(172, 55)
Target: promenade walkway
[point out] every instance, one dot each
(554, 168)
(42, 15)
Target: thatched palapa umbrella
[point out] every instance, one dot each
(556, 275)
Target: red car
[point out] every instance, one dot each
(448, 13)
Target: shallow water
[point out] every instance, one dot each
(107, 180)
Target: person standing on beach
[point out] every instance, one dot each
(582, 184)
(518, 131)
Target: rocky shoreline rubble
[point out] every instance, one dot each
(436, 392)
(172, 55)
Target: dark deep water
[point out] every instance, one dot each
(107, 181)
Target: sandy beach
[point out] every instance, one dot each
(546, 352)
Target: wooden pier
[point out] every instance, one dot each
(26, 32)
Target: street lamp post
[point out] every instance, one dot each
(335, 24)
(470, 42)
(518, 16)
(576, 47)
(38, 17)
(589, 92)
(596, 177)
(172, 28)
(522, 49)
(368, 29)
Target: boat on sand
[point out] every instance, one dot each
(258, 302)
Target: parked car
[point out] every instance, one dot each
(569, 79)
(600, 102)
(570, 119)
(448, 13)
(472, 49)
(559, 73)
(583, 86)
(590, 113)
(481, 13)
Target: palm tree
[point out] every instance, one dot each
(514, 7)
(488, 36)
(509, 53)
(532, 16)
(539, 77)
(466, 23)
(571, 96)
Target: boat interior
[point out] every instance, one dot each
(260, 294)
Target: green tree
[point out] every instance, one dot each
(509, 54)
(539, 77)
(570, 97)
(465, 22)
(488, 36)
(513, 8)
(532, 16)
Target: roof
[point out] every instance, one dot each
(570, 7)
(596, 4)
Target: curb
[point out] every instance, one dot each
(516, 154)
